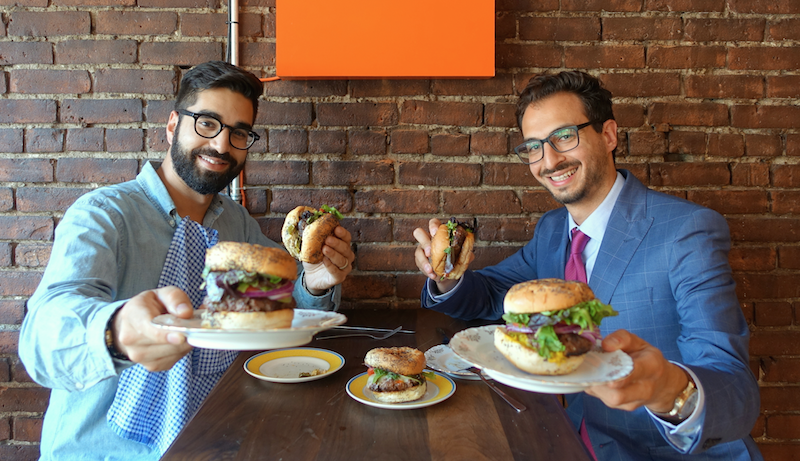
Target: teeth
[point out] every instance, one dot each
(212, 160)
(564, 176)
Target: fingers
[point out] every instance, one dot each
(623, 340)
(175, 301)
(338, 251)
(433, 226)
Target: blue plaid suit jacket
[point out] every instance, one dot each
(663, 265)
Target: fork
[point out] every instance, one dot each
(511, 400)
(366, 335)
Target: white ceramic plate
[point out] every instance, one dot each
(286, 365)
(438, 389)
(442, 358)
(476, 345)
(306, 323)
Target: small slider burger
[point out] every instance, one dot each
(305, 230)
(396, 374)
(248, 287)
(550, 325)
(450, 249)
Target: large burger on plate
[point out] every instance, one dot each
(396, 374)
(550, 325)
(248, 287)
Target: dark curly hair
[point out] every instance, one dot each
(218, 74)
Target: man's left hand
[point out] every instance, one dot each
(654, 381)
(336, 263)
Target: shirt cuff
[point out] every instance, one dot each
(682, 436)
(437, 297)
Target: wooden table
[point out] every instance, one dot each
(245, 418)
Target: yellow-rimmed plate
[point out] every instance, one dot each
(439, 389)
(286, 365)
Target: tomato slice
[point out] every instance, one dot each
(370, 371)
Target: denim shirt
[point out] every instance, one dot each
(110, 246)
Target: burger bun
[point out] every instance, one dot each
(312, 240)
(226, 256)
(401, 360)
(542, 295)
(440, 243)
(408, 395)
(228, 320)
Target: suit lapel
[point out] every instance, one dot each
(626, 229)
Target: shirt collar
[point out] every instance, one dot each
(595, 225)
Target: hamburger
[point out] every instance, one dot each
(305, 230)
(396, 374)
(550, 325)
(450, 249)
(248, 287)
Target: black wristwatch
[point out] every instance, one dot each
(115, 353)
(684, 404)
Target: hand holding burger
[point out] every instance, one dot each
(550, 325)
(396, 374)
(451, 248)
(305, 230)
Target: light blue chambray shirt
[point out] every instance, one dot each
(110, 246)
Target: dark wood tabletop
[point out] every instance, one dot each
(245, 418)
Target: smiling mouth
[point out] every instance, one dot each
(564, 176)
(212, 160)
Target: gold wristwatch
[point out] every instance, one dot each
(684, 404)
(112, 349)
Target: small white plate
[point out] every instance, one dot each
(438, 389)
(306, 323)
(286, 365)
(476, 345)
(442, 358)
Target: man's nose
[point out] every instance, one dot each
(222, 141)
(550, 157)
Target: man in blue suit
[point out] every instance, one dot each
(660, 261)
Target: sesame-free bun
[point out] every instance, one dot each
(527, 359)
(227, 320)
(545, 295)
(440, 242)
(226, 256)
(408, 395)
(401, 360)
(312, 240)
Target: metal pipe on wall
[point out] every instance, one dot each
(235, 187)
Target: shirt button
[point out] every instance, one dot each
(79, 386)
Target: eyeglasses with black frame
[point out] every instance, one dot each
(209, 127)
(561, 140)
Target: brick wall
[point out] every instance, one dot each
(706, 96)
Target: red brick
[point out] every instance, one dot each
(692, 114)
(687, 142)
(642, 85)
(32, 255)
(158, 111)
(753, 259)
(356, 114)
(27, 399)
(367, 142)
(284, 113)
(786, 175)
(689, 174)
(136, 22)
(27, 169)
(749, 116)
(26, 227)
(386, 258)
(367, 286)
(190, 3)
(5, 428)
(157, 139)
(396, 201)
(27, 111)
(647, 143)
(505, 229)
(205, 25)
(288, 141)
(20, 375)
(750, 6)
(782, 451)
(507, 174)
(257, 54)
(724, 86)
(94, 2)
(763, 145)
(781, 369)
(136, 81)
(764, 58)
(285, 200)
(6, 199)
(450, 144)
(91, 111)
(306, 88)
(276, 172)
(11, 140)
(605, 56)
(403, 228)
(386, 87)
(792, 144)
(505, 25)
(269, 24)
(48, 23)
(765, 229)
(44, 140)
(489, 256)
(783, 86)
(39, 199)
(789, 257)
(85, 139)
(439, 174)
(19, 452)
(327, 142)
(641, 28)
(629, 115)
(365, 230)
(559, 28)
(122, 140)
(499, 85)
(27, 429)
(786, 29)
(684, 5)
(786, 202)
(82, 170)
(409, 286)
(731, 201)
(725, 144)
(96, 52)
(508, 55)
(5, 254)
(255, 200)
(715, 29)
(783, 426)
(776, 343)
(489, 143)
(442, 113)
(760, 425)
(262, 143)
(502, 115)
(750, 174)
(526, 5)
(25, 53)
(180, 53)
(686, 57)
(409, 141)
(600, 5)
(773, 314)
(481, 202)
(348, 173)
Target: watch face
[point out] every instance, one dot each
(688, 408)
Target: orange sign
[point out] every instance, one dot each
(384, 38)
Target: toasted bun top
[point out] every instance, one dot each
(226, 256)
(401, 360)
(545, 295)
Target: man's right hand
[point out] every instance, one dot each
(143, 343)
(422, 256)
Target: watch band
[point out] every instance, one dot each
(115, 353)
(684, 404)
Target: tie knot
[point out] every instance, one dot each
(579, 241)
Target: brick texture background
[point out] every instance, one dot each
(706, 95)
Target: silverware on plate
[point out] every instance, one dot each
(346, 327)
(367, 335)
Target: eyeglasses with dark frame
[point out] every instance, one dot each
(561, 140)
(208, 126)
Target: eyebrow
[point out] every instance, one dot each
(217, 116)
(550, 133)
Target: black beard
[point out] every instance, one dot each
(578, 195)
(202, 181)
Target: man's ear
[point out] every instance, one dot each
(610, 134)
(172, 123)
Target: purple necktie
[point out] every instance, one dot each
(575, 269)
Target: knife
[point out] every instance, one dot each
(344, 327)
